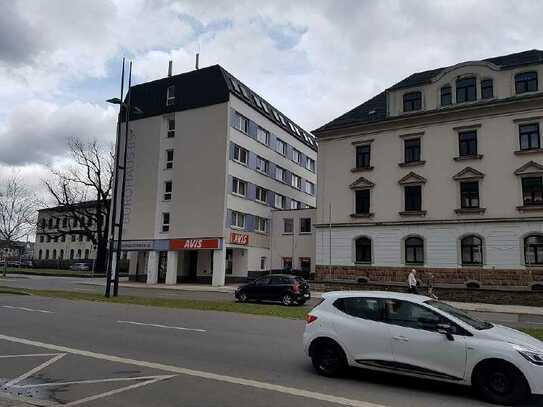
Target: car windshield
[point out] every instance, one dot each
(461, 315)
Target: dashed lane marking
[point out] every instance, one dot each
(27, 309)
(179, 328)
(292, 391)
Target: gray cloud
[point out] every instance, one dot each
(19, 42)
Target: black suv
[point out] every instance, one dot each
(275, 287)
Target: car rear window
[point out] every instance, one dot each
(360, 307)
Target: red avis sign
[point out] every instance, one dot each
(194, 244)
(238, 238)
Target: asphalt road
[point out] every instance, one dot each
(99, 354)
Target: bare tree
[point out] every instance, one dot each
(82, 193)
(18, 209)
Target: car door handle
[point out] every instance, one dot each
(401, 338)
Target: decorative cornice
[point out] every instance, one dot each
(361, 183)
(531, 167)
(467, 174)
(412, 179)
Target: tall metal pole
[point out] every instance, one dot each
(121, 209)
(114, 197)
(330, 242)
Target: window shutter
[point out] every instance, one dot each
(252, 160)
(233, 118)
(231, 151)
(271, 198)
(249, 223)
(252, 129)
(251, 191)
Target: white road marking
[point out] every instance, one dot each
(35, 370)
(179, 328)
(293, 391)
(116, 391)
(92, 381)
(26, 309)
(27, 355)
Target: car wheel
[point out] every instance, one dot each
(329, 359)
(499, 382)
(287, 300)
(242, 296)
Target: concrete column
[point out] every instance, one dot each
(113, 262)
(219, 263)
(152, 268)
(132, 265)
(171, 268)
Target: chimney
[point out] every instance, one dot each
(170, 68)
(197, 60)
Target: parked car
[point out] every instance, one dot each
(418, 336)
(275, 287)
(79, 267)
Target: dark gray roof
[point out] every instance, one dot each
(206, 87)
(63, 208)
(360, 114)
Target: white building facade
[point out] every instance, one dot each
(442, 172)
(208, 160)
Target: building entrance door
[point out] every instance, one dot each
(228, 262)
(162, 264)
(191, 265)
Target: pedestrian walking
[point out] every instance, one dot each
(412, 282)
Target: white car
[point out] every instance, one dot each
(416, 335)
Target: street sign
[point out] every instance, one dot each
(194, 244)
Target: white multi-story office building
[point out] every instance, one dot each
(444, 172)
(208, 159)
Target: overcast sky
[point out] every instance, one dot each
(314, 60)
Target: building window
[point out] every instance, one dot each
(261, 224)
(261, 195)
(73, 238)
(310, 164)
(487, 89)
(78, 253)
(466, 90)
(57, 223)
(171, 127)
(64, 222)
(263, 263)
(40, 254)
(412, 101)
(262, 165)
(50, 223)
(413, 198)
(241, 155)
(238, 220)
(168, 186)
(533, 250)
(363, 156)
(472, 250)
(170, 95)
(279, 201)
(61, 255)
(363, 250)
(296, 181)
(529, 136)
(532, 191)
(169, 159)
(47, 254)
(294, 204)
(296, 156)
(42, 238)
(446, 95)
(63, 238)
(412, 150)
(467, 143)
(309, 188)
(165, 222)
(305, 225)
(469, 194)
(71, 254)
(288, 225)
(287, 263)
(239, 187)
(281, 147)
(263, 135)
(48, 239)
(86, 254)
(362, 201)
(80, 238)
(414, 250)
(54, 254)
(526, 82)
(280, 174)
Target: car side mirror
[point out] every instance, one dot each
(446, 330)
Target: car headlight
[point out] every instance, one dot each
(536, 357)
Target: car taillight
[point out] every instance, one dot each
(310, 318)
(296, 288)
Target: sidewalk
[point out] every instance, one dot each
(520, 310)
(8, 400)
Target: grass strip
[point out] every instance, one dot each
(280, 311)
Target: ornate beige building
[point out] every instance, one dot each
(443, 171)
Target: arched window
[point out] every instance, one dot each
(71, 254)
(412, 101)
(47, 254)
(472, 250)
(61, 255)
(363, 250)
(78, 253)
(533, 249)
(446, 95)
(54, 254)
(40, 255)
(86, 254)
(414, 250)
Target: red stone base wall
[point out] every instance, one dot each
(457, 276)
